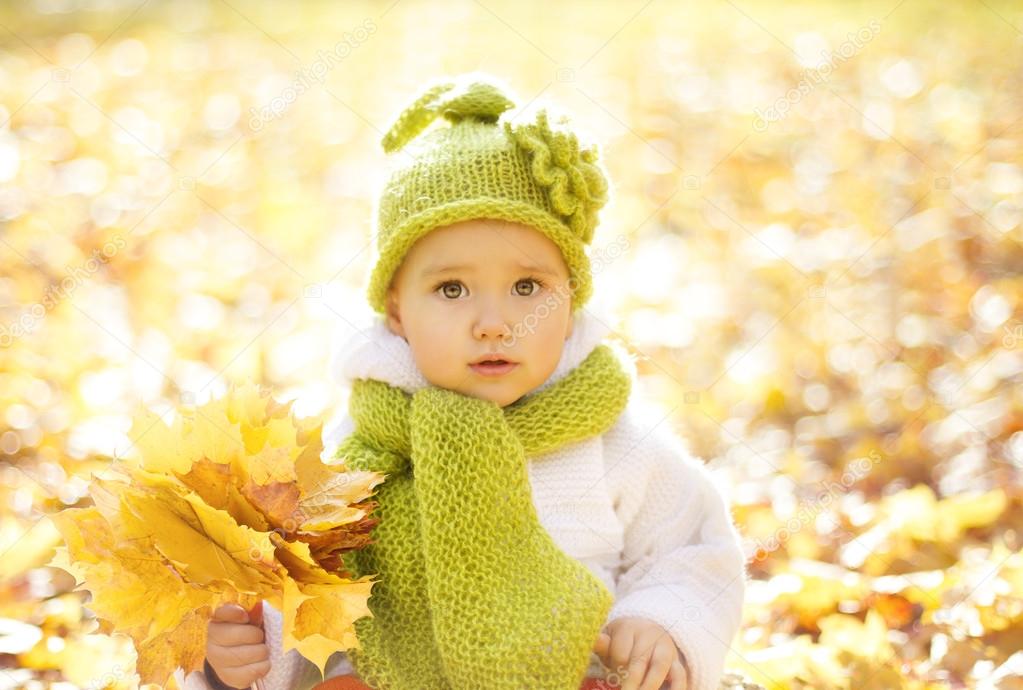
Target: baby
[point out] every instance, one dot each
(547, 511)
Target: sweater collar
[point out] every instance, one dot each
(374, 352)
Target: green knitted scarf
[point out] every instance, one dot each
(472, 593)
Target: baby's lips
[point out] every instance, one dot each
(256, 614)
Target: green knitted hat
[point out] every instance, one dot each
(482, 167)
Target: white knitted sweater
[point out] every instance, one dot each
(633, 505)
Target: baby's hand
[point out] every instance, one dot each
(645, 650)
(234, 645)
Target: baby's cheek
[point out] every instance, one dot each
(432, 363)
(543, 358)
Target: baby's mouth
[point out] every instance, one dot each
(495, 366)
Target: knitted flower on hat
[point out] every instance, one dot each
(575, 184)
(482, 167)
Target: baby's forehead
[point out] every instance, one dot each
(486, 243)
(480, 261)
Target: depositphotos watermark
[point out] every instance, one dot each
(315, 500)
(856, 470)
(811, 77)
(600, 260)
(76, 276)
(314, 73)
(112, 677)
(1013, 337)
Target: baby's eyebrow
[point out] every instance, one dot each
(431, 270)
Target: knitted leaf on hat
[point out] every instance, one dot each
(575, 184)
(454, 101)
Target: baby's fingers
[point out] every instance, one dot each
(244, 676)
(619, 650)
(677, 675)
(639, 661)
(239, 655)
(230, 613)
(659, 665)
(233, 634)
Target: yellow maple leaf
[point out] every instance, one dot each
(317, 616)
(867, 639)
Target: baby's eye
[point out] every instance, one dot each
(444, 289)
(530, 282)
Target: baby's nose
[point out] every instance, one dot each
(492, 329)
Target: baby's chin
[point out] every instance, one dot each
(499, 400)
(502, 398)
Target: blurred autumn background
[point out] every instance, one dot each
(815, 248)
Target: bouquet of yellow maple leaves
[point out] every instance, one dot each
(231, 503)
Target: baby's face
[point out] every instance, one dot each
(478, 288)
